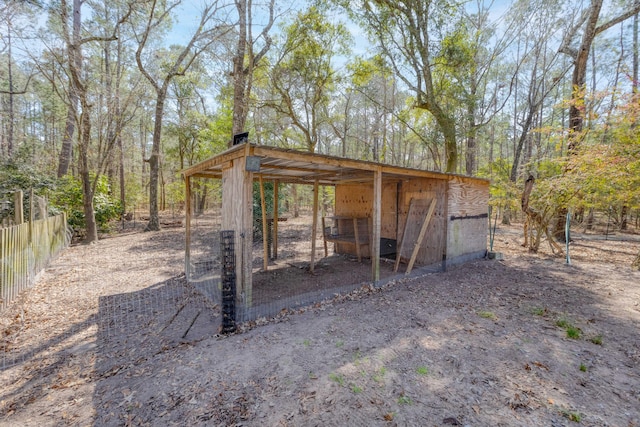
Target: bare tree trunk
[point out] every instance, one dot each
(243, 74)
(506, 215)
(119, 126)
(590, 220)
(123, 199)
(204, 36)
(80, 89)
(580, 58)
(239, 77)
(203, 199)
(11, 113)
(296, 205)
(66, 151)
(83, 168)
(163, 192)
(143, 147)
(624, 213)
(635, 53)
(448, 127)
(154, 163)
(470, 155)
(520, 144)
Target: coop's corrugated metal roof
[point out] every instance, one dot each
(293, 166)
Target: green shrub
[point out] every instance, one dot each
(68, 197)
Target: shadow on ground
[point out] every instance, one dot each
(135, 327)
(478, 345)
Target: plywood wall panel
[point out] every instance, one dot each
(467, 199)
(356, 200)
(467, 203)
(425, 188)
(466, 236)
(468, 221)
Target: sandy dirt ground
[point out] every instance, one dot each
(111, 335)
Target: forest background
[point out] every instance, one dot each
(102, 104)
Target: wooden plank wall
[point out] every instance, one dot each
(356, 200)
(425, 188)
(467, 212)
(467, 202)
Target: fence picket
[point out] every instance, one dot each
(25, 250)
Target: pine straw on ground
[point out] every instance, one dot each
(112, 335)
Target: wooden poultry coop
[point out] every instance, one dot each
(417, 217)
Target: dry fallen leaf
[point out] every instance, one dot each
(541, 365)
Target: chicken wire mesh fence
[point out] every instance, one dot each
(275, 253)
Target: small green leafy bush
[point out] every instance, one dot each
(68, 197)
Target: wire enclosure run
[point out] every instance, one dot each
(285, 242)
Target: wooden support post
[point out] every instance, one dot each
(315, 225)
(237, 215)
(276, 184)
(376, 224)
(400, 244)
(187, 227)
(357, 237)
(324, 228)
(265, 227)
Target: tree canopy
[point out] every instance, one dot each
(120, 96)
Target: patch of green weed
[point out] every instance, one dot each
(422, 370)
(336, 378)
(571, 416)
(358, 359)
(573, 332)
(379, 374)
(404, 400)
(540, 311)
(597, 340)
(488, 315)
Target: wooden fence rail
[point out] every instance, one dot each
(25, 250)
